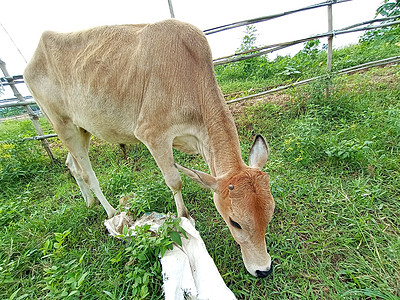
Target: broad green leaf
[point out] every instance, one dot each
(176, 237)
(125, 230)
(163, 249)
(181, 230)
(142, 257)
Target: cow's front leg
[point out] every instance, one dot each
(174, 182)
(161, 150)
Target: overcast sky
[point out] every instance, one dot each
(25, 20)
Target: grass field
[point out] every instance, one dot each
(335, 176)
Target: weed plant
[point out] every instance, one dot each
(334, 170)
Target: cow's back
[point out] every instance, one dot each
(107, 78)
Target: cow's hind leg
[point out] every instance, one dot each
(76, 173)
(77, 142)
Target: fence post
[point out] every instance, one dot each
(34, 117)
(330, 47)
(171, 9)
(330, 38)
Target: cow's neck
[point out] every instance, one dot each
(222, 149)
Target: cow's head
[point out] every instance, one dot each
(244, 200)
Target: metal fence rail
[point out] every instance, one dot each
(270, 17)
(34, 117)
(259, 51)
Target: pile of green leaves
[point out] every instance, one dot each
(143, 249)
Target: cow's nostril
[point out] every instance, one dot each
(262, 274)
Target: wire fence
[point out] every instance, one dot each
(270, 17)
(26, 102)
(22, 102)
(239, 56)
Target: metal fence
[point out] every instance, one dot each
(22, 102)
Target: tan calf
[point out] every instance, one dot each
(153, 83)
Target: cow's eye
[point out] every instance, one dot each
(235, 224)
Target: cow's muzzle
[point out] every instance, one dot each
(262, 274)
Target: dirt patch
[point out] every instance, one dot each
(279, 98)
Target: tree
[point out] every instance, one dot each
(389, 8)
(249, 39)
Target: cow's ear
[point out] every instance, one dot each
(259, 153)
(203, 179)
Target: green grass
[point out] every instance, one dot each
(335, 176)
(260, 73)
